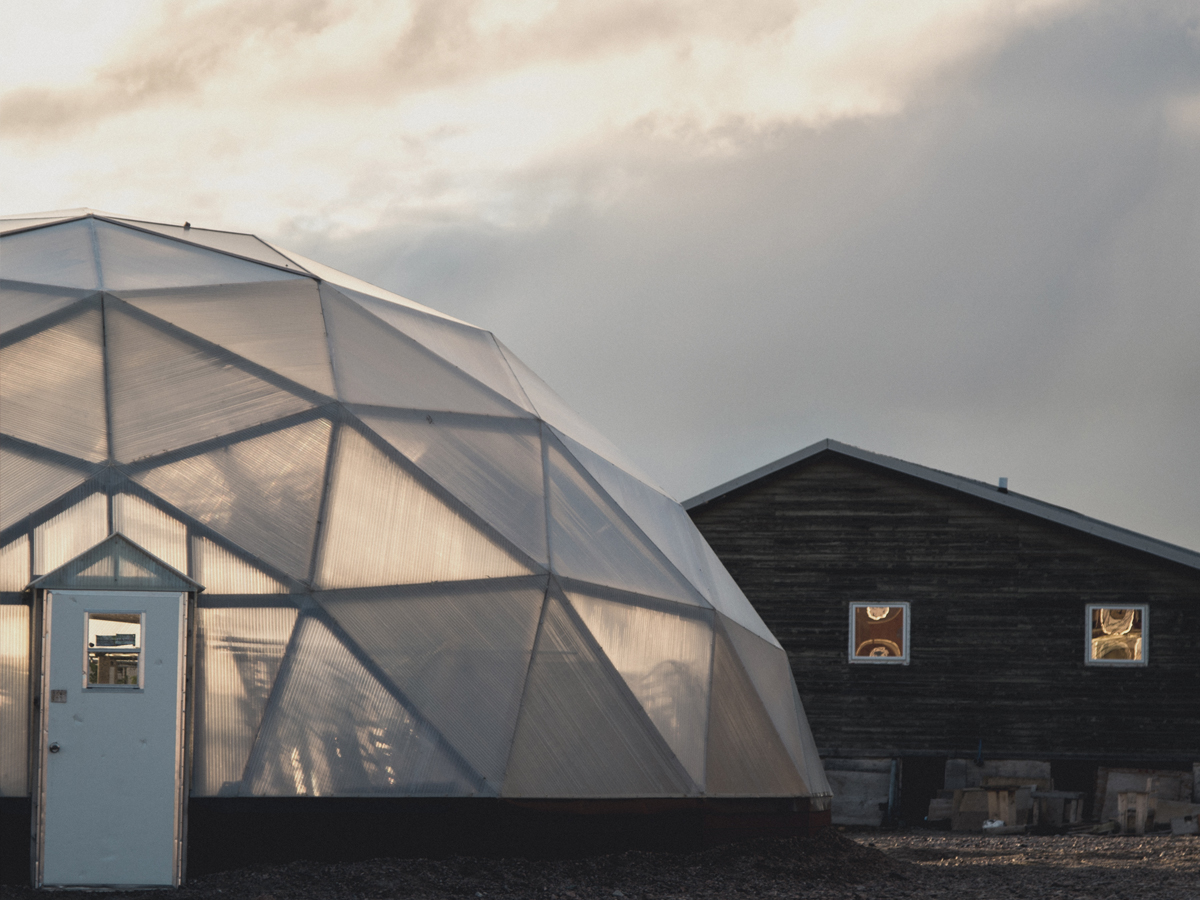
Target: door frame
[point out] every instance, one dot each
(43, 601)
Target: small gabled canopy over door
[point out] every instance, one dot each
(111, 766)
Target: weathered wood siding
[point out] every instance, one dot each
(997, 629)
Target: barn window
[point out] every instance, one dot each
(879, 632)
(1116, 635)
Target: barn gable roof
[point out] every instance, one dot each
(983, 490)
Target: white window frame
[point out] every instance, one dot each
(1087, 635)
(881, 660)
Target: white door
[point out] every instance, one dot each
(110, 802)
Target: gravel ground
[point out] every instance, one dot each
(831, 865)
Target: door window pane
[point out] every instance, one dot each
(114, 649)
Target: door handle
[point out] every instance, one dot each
(54, 748)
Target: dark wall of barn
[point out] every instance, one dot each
(997, 619)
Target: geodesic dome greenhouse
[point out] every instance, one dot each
(424, 576)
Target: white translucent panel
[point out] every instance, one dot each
(554, 410)
(115, 564)
(14, 701)
(727, 597)
(59, 254)
(580, 732)
(70, 533)
(52, 387)
(152, 529)
(221, 572)
(813, 771)
(14, 565)
(230, 242)
(469, 348)
(771, 674)
(662, 519)
(21, 303)
(592, 540)
(458, 654)
(263, 494)
(131, 259)
(17, 223)
(342, 280)
(745, 756)
(373, 363)
(238, 652)
(492, 465)
(332, 729)
(168, 394)
(277, 325)
(30, 482)
(383, 526)
(665, 660)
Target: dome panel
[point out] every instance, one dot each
(263, 494)
(661, 519)
(21, 303)
(471, 349)
(580, 732)
(57, 254)
(727, 597)
(131, 259)
(14, 700)
(375, 364)
(168, 394)
(239, 652)
(59, 540)
(221, 572)
(665, 660)
(457, 652)
(31, 481)
(17, 223)
(151, 529)
(492, 465)
(745, 756)
(278, 325)
(332, 729)
(54, 387)
(14, 565)
(228, 241)
(384, 526)
(591, 540)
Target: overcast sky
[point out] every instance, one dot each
(965, 233)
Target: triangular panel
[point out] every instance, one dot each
(745, 756)
(151, 528)
(554, 409)
(130, 260)
(168, 394)
(231, 242)
(666, 661)
(332, 729)
(54, 387)
(457, 652)
(471, 349)
(221, 572)
(59, 254)
(21, 302)
(68, 534)
(375, 364)
(263, 494)
(580, 733)
(492, 465)
(384, 526)
(662, 519)
(14, 564)
(14, 702)
(239, 651)
(19, 223)
(592, 540)
(116, 564)
(277, 325)
(29, 483)
(726, 597)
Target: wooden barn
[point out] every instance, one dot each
(949, 635)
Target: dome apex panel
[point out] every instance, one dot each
(53, 383)
(168, 393)
(375, 364)
(22, 302)
(278, 324)
(132, 259)
(246, 245)
(63, 255)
